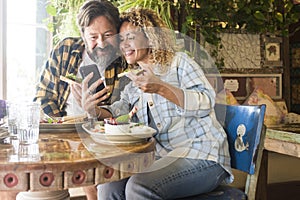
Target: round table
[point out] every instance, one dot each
(62, 160)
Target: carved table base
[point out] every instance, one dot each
(49, 195)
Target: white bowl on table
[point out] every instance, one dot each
(117, 129)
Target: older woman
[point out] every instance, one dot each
(174, 97)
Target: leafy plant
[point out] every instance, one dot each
(162, 7)
(62, 18)
(251, 16)
(208, 18)
(195, 18)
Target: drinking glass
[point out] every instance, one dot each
(12, 113)
(28, 121)
(29, 152)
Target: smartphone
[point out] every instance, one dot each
(86, 70)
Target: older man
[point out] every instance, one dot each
(99, 22)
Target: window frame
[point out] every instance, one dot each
(42, 49)
(3, 37)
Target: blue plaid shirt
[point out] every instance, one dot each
(191, 132)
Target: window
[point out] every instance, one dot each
(25, 49)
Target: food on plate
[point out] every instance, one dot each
(126, 118)
(98, 128)
(71, 78)
(51, 121)
(127, 71)
(65, 119)
(111, 128)
(74, 118)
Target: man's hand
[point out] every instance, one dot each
(90, 101)
(76, 91)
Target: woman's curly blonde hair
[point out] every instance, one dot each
(161, 39)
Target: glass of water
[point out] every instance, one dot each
(28, 122)
(12, 113)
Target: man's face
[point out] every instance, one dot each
(101, 41)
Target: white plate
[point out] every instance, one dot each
(3, 133)
(138, 134)
(59, 127)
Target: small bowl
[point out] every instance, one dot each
(111, 127)
(117, 129)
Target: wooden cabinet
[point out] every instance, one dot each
(293, 75)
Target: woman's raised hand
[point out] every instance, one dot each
(146, 80)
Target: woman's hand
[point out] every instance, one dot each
(90, 101)
(149, 83)
(146, 80)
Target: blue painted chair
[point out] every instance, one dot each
(245, 130)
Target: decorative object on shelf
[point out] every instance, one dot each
(272, 51)
(242, 85)
(273, 114)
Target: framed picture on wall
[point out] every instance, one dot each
(272, 51)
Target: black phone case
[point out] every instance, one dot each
(86, 70)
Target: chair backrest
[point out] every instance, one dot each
(244, 126)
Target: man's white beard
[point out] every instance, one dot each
(101, 61)
(102, 64)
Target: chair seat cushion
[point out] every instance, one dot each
(223, 192)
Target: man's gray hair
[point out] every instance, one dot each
(94, 8)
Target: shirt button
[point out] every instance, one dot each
(150, 103)
(158, 125)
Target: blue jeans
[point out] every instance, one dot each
(167, 178)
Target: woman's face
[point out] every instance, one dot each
(133, 44)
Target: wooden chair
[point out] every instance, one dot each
(246, 132)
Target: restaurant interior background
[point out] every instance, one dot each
(255, 44)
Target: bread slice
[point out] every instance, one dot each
(136, 71)
(71, 79)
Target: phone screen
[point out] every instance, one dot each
(86, 70)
